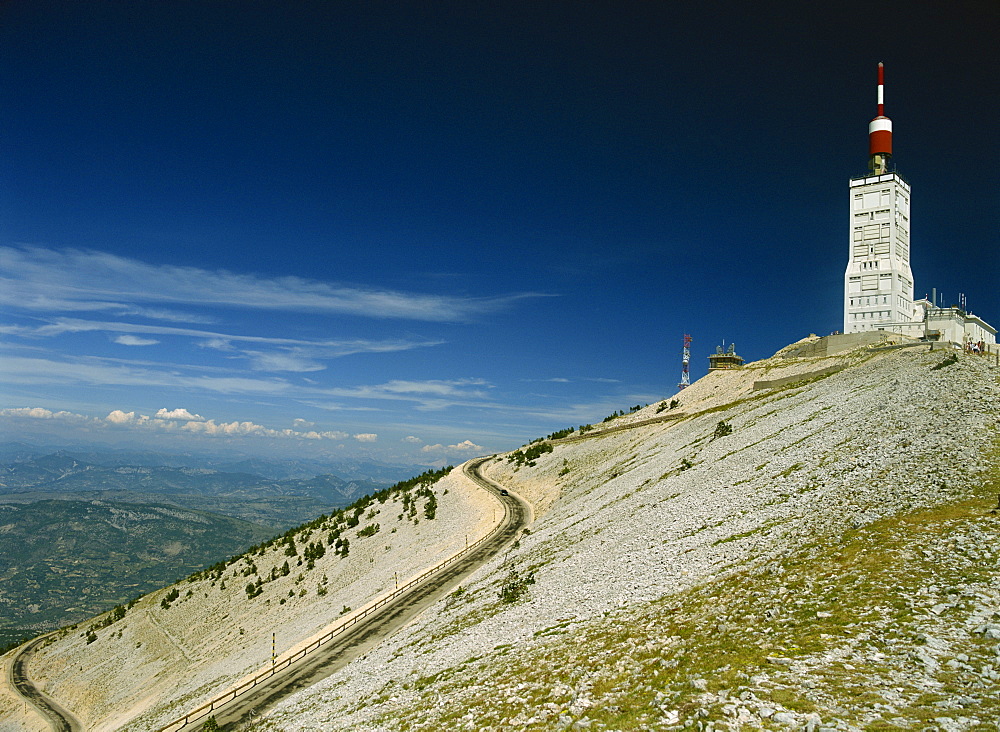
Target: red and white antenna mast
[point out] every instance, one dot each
(685, 360)
(880, 132)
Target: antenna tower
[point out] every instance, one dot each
(685, 360)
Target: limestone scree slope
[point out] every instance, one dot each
(818, 554)
(821, 554)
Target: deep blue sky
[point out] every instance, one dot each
(404, 226)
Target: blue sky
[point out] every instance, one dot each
(423, 231)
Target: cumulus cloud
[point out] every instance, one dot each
(209, 427)
(33, 412)
(117, 416)
(131, 340)
(302, 424)
(412, 440)
(366, 437)
(183, 420)
(179, 413)
(326, 435)
(42, 413)
(465, 446)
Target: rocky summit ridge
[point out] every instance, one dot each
(807, 542)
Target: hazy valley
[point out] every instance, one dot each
(82, 532)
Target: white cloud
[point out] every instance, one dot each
(302, 424)
(91, 371)
(326, 435)
(117, 416)
(412, 440)
(33, 412)
(431, 394)
(131, 340)
(224, 341)
(219, 343)
(283, 361)
(366, 437)
(78, 280)
(179, 413)
(462, 447)
(229, 429)
(42, 413)
(182, 419)
(466, 446)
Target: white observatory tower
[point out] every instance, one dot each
(878, 285)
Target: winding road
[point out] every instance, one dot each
(376, 627)
(334, 655)
(58, 718)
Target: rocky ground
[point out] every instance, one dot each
(815, 555)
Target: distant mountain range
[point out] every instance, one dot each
(63, 560)
(20, 451)
(83, 531)
(64, 472)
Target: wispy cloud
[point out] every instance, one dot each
(91, 371)
(287, 354)
(131, 340)
(72, 280)
(296, 361)
(431, 394)
(331, 348)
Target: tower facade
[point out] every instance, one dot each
(878, 284)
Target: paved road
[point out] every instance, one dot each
(336, 654)
(58, 718)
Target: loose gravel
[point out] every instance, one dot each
(658, 516)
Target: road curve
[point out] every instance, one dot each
(58, 718)
(353, 643)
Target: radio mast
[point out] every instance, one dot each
(685, 361)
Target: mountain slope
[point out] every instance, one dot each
(817, 552)
(828, 561)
